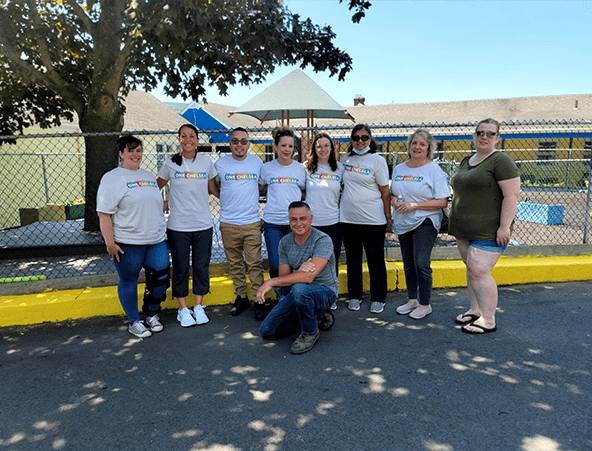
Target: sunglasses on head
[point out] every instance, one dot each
(242, 141)
(357, 138)
(482, 133)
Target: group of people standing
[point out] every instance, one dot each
(320, 204)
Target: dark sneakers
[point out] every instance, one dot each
(326, 321)
(240, 305)
(304, 343)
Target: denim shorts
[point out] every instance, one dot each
(488, 245)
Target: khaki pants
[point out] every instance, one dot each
(238, 239)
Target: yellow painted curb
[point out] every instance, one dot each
(89, 302)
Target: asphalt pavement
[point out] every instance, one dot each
(373, 382)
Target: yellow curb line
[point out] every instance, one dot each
(89, 302)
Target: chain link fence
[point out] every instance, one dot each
(43, 187)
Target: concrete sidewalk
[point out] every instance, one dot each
(46, 304)
(373, 382)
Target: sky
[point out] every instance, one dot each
(437, 51)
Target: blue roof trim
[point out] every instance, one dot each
(204, 120)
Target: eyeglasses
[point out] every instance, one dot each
(242, 141)
(357, 138)
(482, 133)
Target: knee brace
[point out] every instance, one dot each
(155, 279)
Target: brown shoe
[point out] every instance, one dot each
(304, 343)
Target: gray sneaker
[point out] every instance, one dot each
(304, 343)
(138, 329)
(354, 304)
(376, 307)
(154, 323)
(334, 306)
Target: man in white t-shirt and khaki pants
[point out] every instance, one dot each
(240, 225)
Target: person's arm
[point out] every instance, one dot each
(511, 192)
(161, 183)
(106, 226)
(386, 200)
(287, 278)
(213, 188)
(430, 205)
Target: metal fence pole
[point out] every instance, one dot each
(45, 178)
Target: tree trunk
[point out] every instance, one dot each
(104, 114)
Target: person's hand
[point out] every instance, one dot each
(405, 207)
(307, 266)
(263, 291)
(114, 250)
(394, 201)
(389, 224)
(503, 236)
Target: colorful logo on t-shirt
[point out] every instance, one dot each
(190, 175)
(408, 178)
(329, 177)
(283, 180)
(240, 176)
(141, 184)
(358, 170)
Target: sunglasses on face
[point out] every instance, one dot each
(482, 133)
(357, 138)
(242, 141)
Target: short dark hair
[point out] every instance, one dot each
(238, 129)
(299, 204)
(129, 141)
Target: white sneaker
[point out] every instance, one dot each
(200, 315)
(418, 313)
(154, 323)
(334, 306)
(185, 317)
(411, 305)
(138, 329)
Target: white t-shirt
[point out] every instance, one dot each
(322, 194)
(361, 201)
(189, 203)
(284, 186)
(239, 189)
(135, 203)
(422, 184)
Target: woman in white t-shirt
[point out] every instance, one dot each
(420, 190)
(323, 189)
(285, 179)
(365, 216)
(190, 228)
(129, 205)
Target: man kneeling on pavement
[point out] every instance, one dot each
(307, 283)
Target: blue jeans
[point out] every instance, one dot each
(155, 256)
(200, 244)
(273, 233)
(416, 250)
(297, 311)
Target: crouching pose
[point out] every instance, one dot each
(129, 205)
(310, 286)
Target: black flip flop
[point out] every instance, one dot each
(470, 315)
(484, 329)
